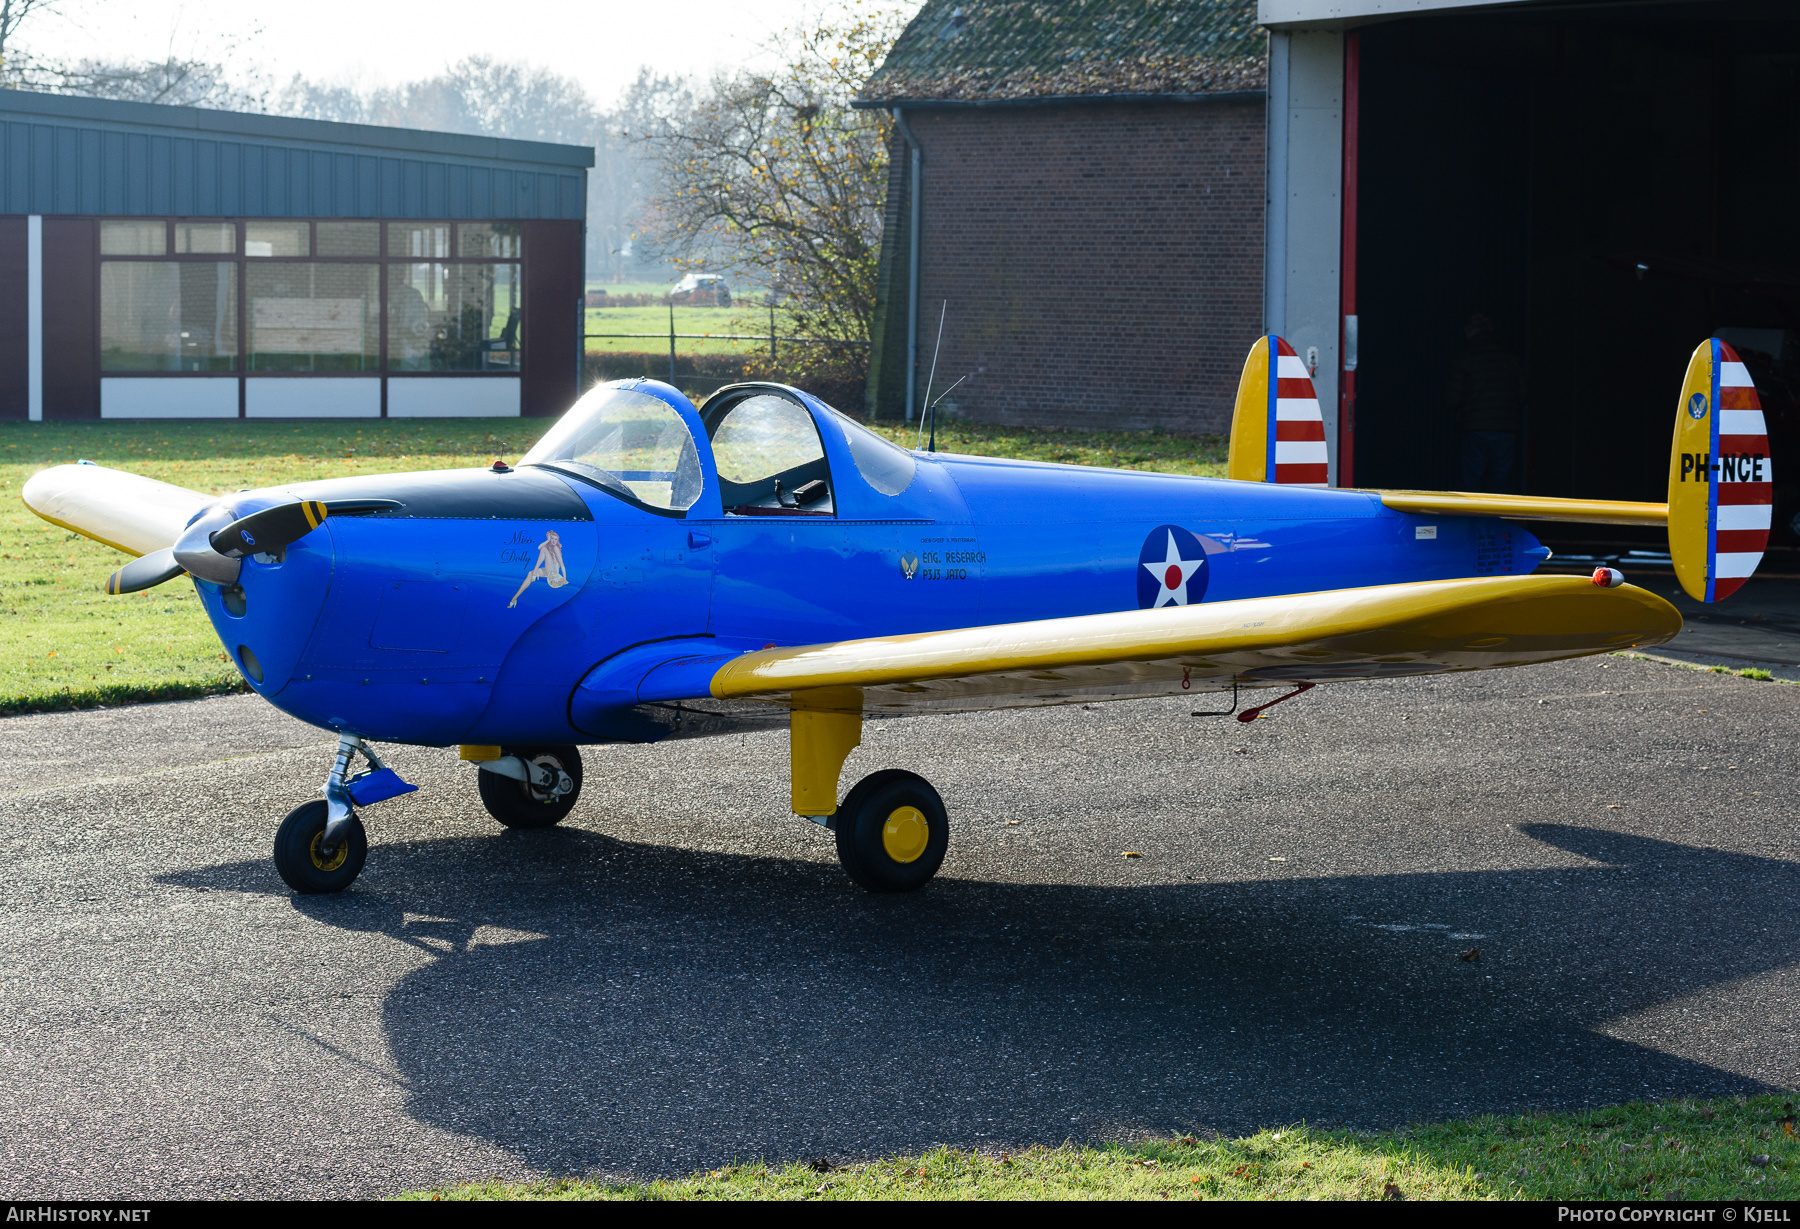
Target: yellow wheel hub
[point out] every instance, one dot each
(905, 834)
(335, 860)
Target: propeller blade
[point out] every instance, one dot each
(145, 573)
(271, 530)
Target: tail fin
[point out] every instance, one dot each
(1277, 433)
(1721, 480)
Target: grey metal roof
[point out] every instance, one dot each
(60, 154)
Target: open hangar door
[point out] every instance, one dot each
(1610, 184)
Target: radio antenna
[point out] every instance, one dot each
(934, 358)
(950, 390)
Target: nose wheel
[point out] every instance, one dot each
(306, 862)
(892, 832)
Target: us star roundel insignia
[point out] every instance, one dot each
(1172, 569)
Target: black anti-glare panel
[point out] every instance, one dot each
(474, 495)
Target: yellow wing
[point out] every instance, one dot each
(1427, 627)
(1527, 507)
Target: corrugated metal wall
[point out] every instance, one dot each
(82, 169)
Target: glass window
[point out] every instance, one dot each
(883, 465)
(499, 240)
(767, 450)
(134, 238)
(453, 317)
(349, 238)
(313, 317)
(207, 237)
(165, 315)
(277, 239)
(428, 240)
(629, 442)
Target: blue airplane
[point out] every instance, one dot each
(653, 571)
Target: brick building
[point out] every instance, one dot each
(1084, 184)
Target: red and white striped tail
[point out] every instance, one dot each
(1745, 487)
(1297, 453)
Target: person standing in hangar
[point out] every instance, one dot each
(1487, 395)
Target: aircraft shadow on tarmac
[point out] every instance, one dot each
(606, 1007)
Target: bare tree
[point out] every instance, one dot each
(13, 14)
(174, 81)
(774, 176)
(177, 79)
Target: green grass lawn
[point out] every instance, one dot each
(65, 644)
(655, 320)
(1731, 1148)
(1165, 452)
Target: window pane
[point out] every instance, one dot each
(497, 239)
(885, 466)
(206, 237)
(313, 317)
(276, 239)
(763, 437)
(419, 239)
(142, 238)
(453, 317)
(349, 238)
(168, 315)
(631, 441)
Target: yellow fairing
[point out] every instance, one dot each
(1249, 458)
(823, 728)
(1690, 502)
(1427, 627)
(1526, 507)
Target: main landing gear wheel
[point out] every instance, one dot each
(304, 861)
(892, 832)
(518, 805)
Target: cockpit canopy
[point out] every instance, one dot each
(764, 442)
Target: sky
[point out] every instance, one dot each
(385, 42)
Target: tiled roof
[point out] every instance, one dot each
(975, 50)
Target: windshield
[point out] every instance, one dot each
(631, 443)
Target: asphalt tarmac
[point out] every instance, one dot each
(680, 975)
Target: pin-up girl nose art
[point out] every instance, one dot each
(549, 566)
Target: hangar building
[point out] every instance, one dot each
(171, 262)
(1608, 180)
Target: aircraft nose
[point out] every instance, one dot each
(265, 617)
